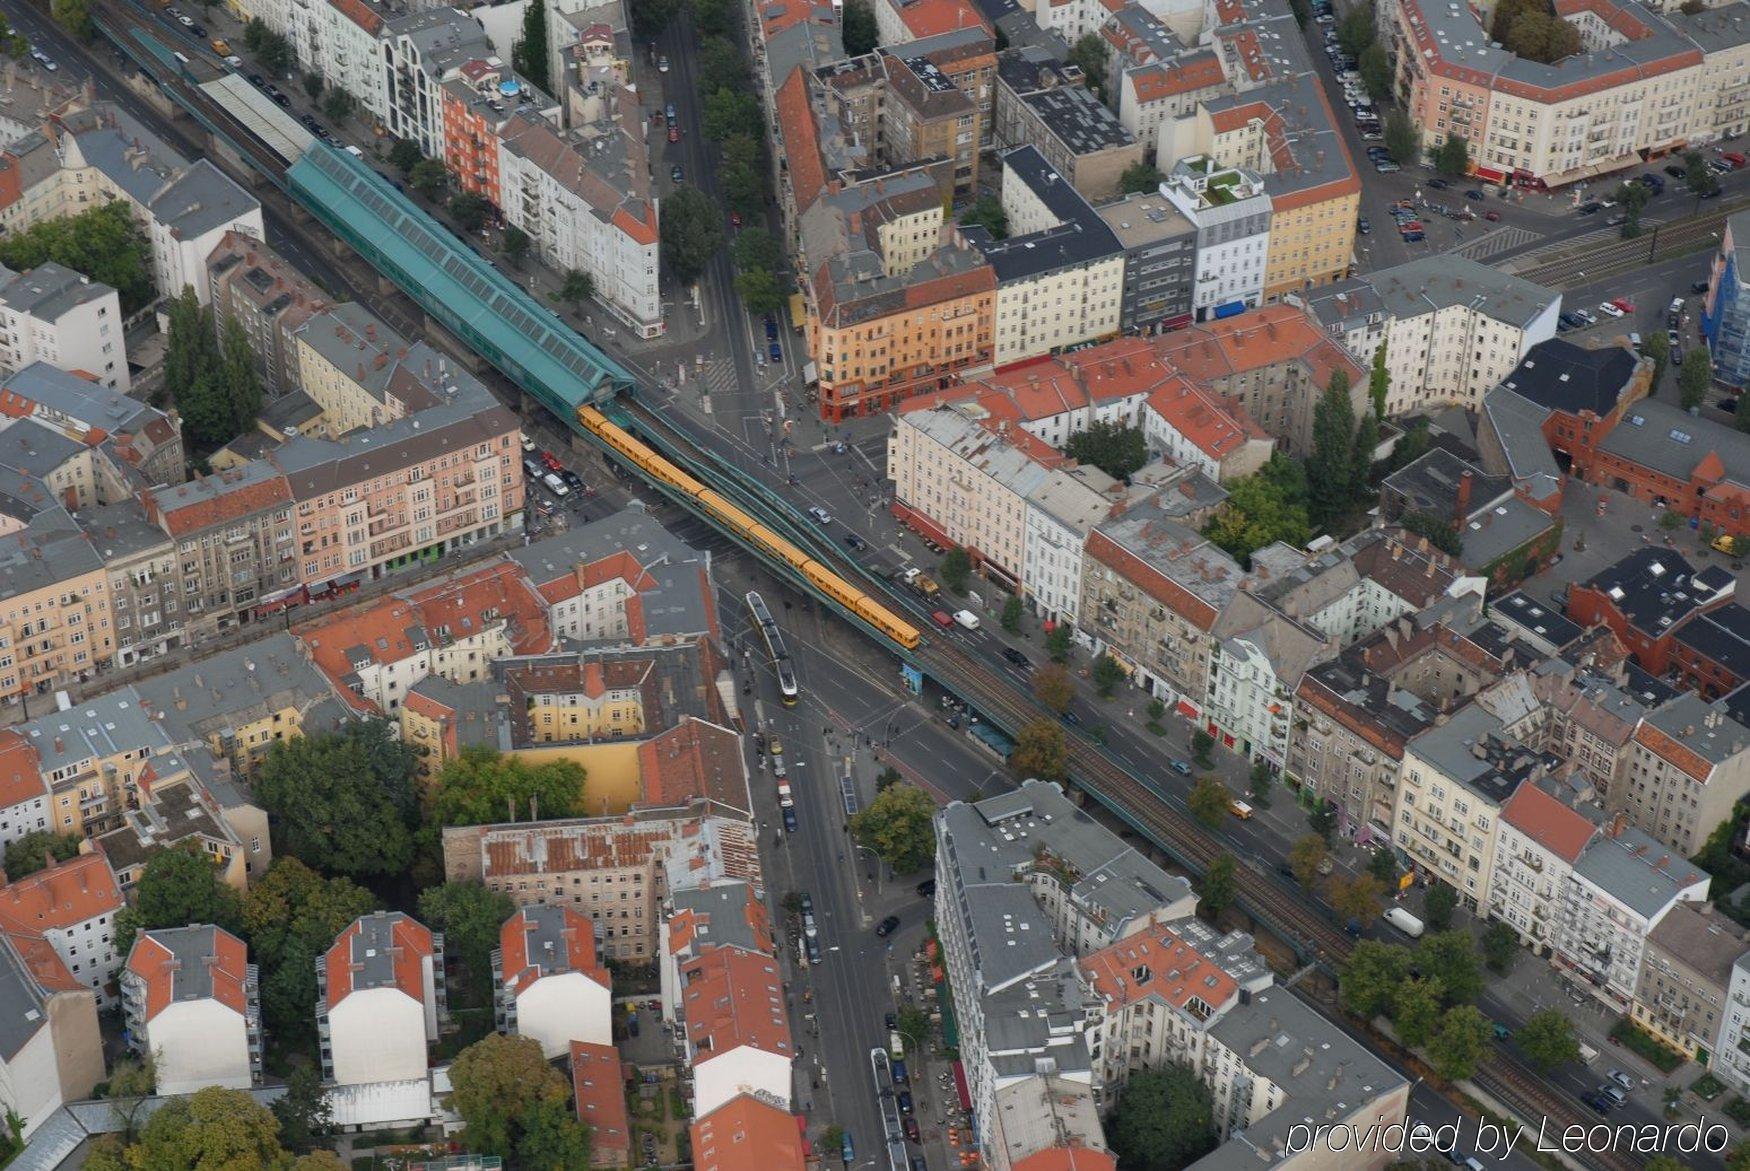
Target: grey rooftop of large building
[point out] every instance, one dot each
(48, 550)
(1430, 284)
(1706, 729)
(192, 951)
(726, 907)
(1080, 236)
(1637, 870)
(1705, 941)
(102, 726)
(1177, 552)
(49, 290)
(234, 687)
(1469, 749)
(1670, 440)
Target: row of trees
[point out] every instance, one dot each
(270, 49)
(103, 243)
(1357, 36)
(211, 372)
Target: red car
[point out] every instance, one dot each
(1411, 226)
(943, 619)
(735, 219)
(1623, 303)
(1492, 216)
(674, 133)
(552, 462)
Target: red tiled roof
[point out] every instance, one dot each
(21, 779)
(1157, 963)
(598, 1087)
(1546, 821)
(1070, 1158)
(522, 968)
(192, 507)
(746, 1134)
(1168, 79)
(1269, 336)
(734, 999)
(928, 18)
(413, 944)
(227, 965)
(62, 895)
(801, 140)
(1211, 423)
(1668, 747)
(691, 760)
(359, 13)
(686, 924)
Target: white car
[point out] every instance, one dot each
(234, 61)
(528, 444)
(1612, 310)
(820, 515)
(555, 485)
(185, 21)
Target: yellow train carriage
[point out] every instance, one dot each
(739, 521)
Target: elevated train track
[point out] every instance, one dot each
(577, 385)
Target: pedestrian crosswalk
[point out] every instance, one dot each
(719, 375)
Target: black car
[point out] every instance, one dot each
(572, 480)
(1286, 871)
(927, 889)
(281, 100)
(1729, 405)
(855, 543)
(1016, 657)
(1676, 172)
(1591, 207)
(891, 1021)
(1598, 1102)
(887, 927)
(1070, 717)
(255, 79)
(789, 820)
(1362, 226)
(1698, 286)
(200, 31)
(771, 328)
(1474, 195)
(1437, 184)
(904, 1100)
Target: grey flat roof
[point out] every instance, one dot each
(1637, 870)
(1706, 729)
(49, 549)
(192, 947)
(1667, 439)
(727, 906)
(104, 725)
(50, 290)
(23, 1007)
(1431, 283)
(234, 686)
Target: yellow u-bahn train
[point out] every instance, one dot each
(821, 576)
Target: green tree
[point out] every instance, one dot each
(755, 247)
(1040, 751)
(1361, 466)
(1441, 532)
(1500, 946)
(469, 210)
(987, 212)
(1057, 642)
(1657, 347)
(1164, 1119)
(1403, 141)
(1416, 1009)
(1089, 55)
(1375, 69)
(273, 51)
(303, 1112)
(1219, 886)
(33, 851)
(1140, 178)
(1107, 675)
(516, 245)
(1454, 957)
(760, 291)
(344, 802)
(720, 65)
(213, 1129)
(290, 916)
(1531, 29)
(338, 105)
(1322, 817)
(1384, 866)
(404, 155)
(1267, 506)
(692, 232)
(1438, 907)
(1379, 382)
(1115, 449)
(482, 786)
(74, 16)
(1012, 611)
(313, 84)
(240, 378)
(955, 568)
(577, 287)
(1355, 31)
(1355, 898)
(1306, 856)
(470, 916)
(1201, 744)
(899, 825)
(1694, 378)
(729, 111)
(515, 1105)
(1209, 800)
(650, 17)
(1453, 156)
(1260, 783)
(1371, 977)
(859, 28)
(1053, 687)
(177, 887)
(1460, 1044)
(529, 53)
(429, 177)
(103, 243)
(715, 19)
(1547, 1039)
(1701, 182)
(1329, 470)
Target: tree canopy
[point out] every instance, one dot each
(290, 916)
(1459, 1045)
(1547, 1039)
(1454, 956)
(1115, 449)
(1694, 378)
(32, 852)
(955, 568)
(470, 917)
(1267, 506)
(1531, 29)
(1403, 141)
(1164, 1119)
(344, 802)
(692, 232)
(1438, 906)
(1040, 751)
(178, 886)
(1328, 472)
(1053, 687)
(103, 243)
(1371, 976)
(517, 1106)
(1306, 856)
(859, 28)
(987, 212)
(482, 785)
(1209, 800)
(529, 53)
(214, 1129)
(899, 825)
(1416, 1010)
(1140, 178)
(1090, 54)
(1453, 156)
(1219, 885)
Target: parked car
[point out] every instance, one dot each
(1492, 216)
(552, 461)
(1016, 657)
(927, 889)
(855, 543)
(555, 485)
(887, 927)
(1623, 303)
(1590, 207)
(1474, 195)
(677, 175)
(1676, 172)
(911, 1129)
(674, 132)
(572, 480)
(1414, 237)
(1438, 184)
(1362, 226)
(771, 328)
(1598, 1102)
(1620, 1078)
(1609, 308)
(820, 515)
(790, 828)
(904, 1096)
(1672, 338)
(662, 63)
(1182, 767)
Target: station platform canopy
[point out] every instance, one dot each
(459, 288)
(282, 133)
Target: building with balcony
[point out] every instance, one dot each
(547, 983)
(1041, 101)
(1542, 836)
(1622, 887)
(1725, 315)
(1688, 766)
(380, 1000)
(72, 905)
(1686, 974)
(54, 607)
(52, 314)
(193, 1008)
(1257, 658)
(734, 1027)
(909, 110)
(1731, 1051)
(51, 1051)
(1231, 213)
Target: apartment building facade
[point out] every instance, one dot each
(193, 1007)
(52, 314)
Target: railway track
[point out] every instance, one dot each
(1608, 258)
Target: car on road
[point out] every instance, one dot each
(1474, 195)
(1676, 172)
(1362, 226)
(1676, 356)
(1568, 321)
(572, 480)
(790, 828)
(674, 132)
(904, 1100)
(911, 1130)
(184, 20)
(900, 1076)
(1439, 184)
(1387, 168)
(1672, 339)
(1182, 767)
(555, 485)
(1598, 1102)
(1623, 303)
(735, 220)
(199, 30)
(1609, 308)
(1017, 658)
(855, 543)
(1072, 719)
(887, 927)
(1492, 216)
(1614, 1093)
(943, 619)
(668, 112)
(552, 461)
(676, 175)
(1590, 207)
(1586, 316)
(846, 1151)
(528, 444)
(1620, 1078)
(775, 352)
(1414, 237)
(1697, 287)
(1240, 810)
(927, 889)
(771, 328)
(820, 515)
(662, 63)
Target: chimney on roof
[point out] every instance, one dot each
(1617, 824)
(1462, 510)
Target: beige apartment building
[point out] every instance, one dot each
(1686, 974)
(54, 607)
(1687, 770)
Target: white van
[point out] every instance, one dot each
(1405, 922)
(555, 485)
(967, 619)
